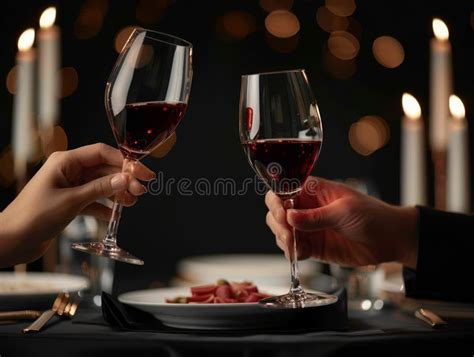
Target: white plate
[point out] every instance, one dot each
(262, 269)
(206, 316)
(36, 283)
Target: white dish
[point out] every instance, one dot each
(207, 316)
(262, 269)
(37, 283)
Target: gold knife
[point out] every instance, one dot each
(19, 315)
(61, 300)
(430, 318)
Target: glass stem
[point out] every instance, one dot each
(110, 239)
(293, 253)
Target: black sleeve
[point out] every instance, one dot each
(445, 268)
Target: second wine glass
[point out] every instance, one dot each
(146, 97)
(281, 133)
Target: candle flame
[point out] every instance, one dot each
(48, 17)
(411, 107)
(26, 39)
(456, 107)
(440, 30)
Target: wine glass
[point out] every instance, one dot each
(145, 97)
(281, 133)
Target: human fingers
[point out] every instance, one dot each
(97, 210)
(275, 206)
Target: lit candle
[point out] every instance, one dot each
(48, 47)
(458, 190)
(413, 171)
(441, 85)
(22, 137)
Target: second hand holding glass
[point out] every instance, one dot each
(281, 132)
(146, 98)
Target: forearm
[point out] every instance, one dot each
(14, 247)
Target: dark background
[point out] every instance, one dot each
(162, 229)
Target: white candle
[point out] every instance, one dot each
(458, 190)
(22, 137)
(441, 85)
(48, 81)
(413, 170)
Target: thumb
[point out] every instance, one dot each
(313, 219)
(102, 187)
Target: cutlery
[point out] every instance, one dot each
(59, 303)
(70, 309)
(430, 318)
(19, 315)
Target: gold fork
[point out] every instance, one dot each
(70, 309)
(59, 303)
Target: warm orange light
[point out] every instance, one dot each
(341, 7)
(48, 17)
(236, 25)
(69, 81)
(330, 22)
(122, 36)
(11, 80)
(343, 45)
(282, 24)
(369, 134)
(26, 40)
(165, 147)
(440, 30)
(456, 107)
(388, 51)
(411, 107)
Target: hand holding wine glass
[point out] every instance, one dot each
(340, 225)
(146, 98)
(281, 132)
(69, 183)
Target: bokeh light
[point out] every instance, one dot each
(272, 5)
(282, 24)
(11, 80)
(369, 134)
(7, 174)
(151, 11)
(90, 19)
(165, 147)
(69, 81)
(122, 36)
(388, 51)
(330, 22)
(53, 140)
(341, 7)
(236, 25)
(343, 45)
(338, 68)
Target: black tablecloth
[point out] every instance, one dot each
(388, 332)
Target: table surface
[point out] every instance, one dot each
(386, 332)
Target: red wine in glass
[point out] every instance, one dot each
(284, 164)
(281, 133)
(145, 99)
(140, 127)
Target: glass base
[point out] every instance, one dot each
(109, 251)
(299, 299)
